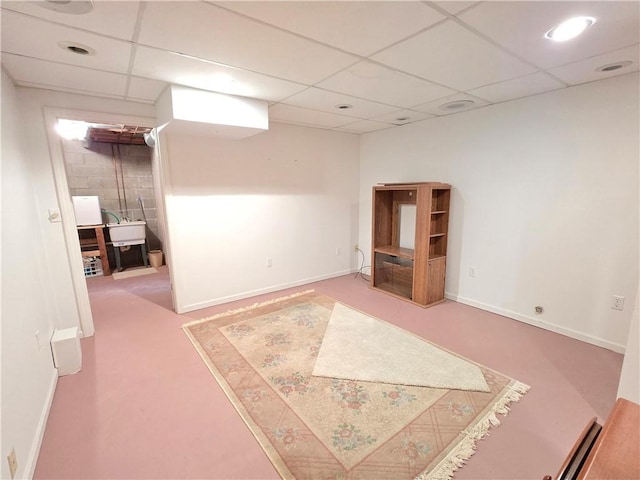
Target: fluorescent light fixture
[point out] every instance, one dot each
(72, 129)
(569, 29)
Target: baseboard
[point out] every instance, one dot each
(536, 322)
(32, 460)
(261, 291)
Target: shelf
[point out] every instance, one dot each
(91, 242)
(414, 274)
(403, 291)
(394, 274)
(439, 200)
(395, 251)
(88, 242)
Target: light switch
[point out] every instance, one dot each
(54, 215)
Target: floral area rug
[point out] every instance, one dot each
(327, 428)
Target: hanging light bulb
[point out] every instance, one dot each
(72, 129)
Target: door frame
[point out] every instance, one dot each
(74, 256)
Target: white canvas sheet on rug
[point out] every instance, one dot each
(358, 347)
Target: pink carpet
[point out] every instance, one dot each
(144, 405)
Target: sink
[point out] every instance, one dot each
(127, 233)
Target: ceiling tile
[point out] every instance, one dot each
(518, 87)
(310, 54)
(361, 27)
(145, 89)
(384, 85)
(461, 60)
(303, 116)
(325, 100)
(213, 33)
(402, 117)
(115, 19)
(170, 68)
(434, 108)
(585, 70)
(454, 6)
(364, 126)
(19, 37)
(54, 75)
(520, 27)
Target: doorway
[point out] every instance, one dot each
(109, 172)
(112, 162)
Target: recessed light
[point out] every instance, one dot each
(77, 48)
(71, 7)
(457, 105)
(343, 106)
(613, 66)
(569, 29)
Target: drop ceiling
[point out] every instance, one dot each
(392, 62)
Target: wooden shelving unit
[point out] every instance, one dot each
(415, 272)
(92, 244)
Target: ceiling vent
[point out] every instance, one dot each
(457, 105)
(612, 67)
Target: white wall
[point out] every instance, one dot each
(33, 103)
(28, 375)
(629, 386)
(544, 203)
(38, 294)
(289, 194)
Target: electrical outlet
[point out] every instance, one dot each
(13, 462)
(355, 248)
(337, 251)
(539, 310)
(472, 271)
(269, 263)
(38, 339)
(617, 302)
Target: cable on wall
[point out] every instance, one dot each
(362, 267)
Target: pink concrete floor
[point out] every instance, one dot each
(145, 405)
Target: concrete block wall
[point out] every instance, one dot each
(91, 171)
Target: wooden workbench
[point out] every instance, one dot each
(97, 241)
